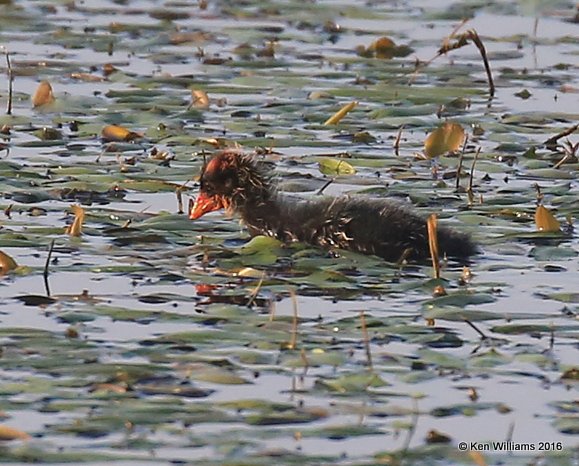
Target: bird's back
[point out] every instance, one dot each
(368, 225)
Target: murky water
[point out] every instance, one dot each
(146, 326)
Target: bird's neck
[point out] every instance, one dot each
(262, 214)
(255, 188)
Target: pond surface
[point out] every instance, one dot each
(158, 340)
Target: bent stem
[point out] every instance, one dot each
(294, 334)
(366, 340)
(432, 224)
(46, 266)
(10, 82)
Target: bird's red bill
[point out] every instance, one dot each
(204, 204)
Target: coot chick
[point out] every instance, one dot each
(240, 184)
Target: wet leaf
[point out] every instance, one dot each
(382, 47)
(298, 416)
(545, 220)
(571, 374)
(435, 436)
(448, 137)
(199, 98)
(43, 95)
(340, 114)
(7, 263)
(36, 300)
(75, 229)
(351, 383)
(114, 133)
(332, 166)
(9, 433)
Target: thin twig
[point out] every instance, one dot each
(553, 140)
(478, 42)
(459, 26)
(431, 225)
(397, 141)
(294, 335)
(566, 157)
(366, 340)
(328, 183)
(46, 266)
(179, 192)
(255, 292)
(470, 181)
(304, 358)
(460, 160)
(476, 329)
(412, 426)
(10, 82)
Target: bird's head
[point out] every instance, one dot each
(229, 181)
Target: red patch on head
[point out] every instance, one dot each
(215, 165)
(221, 162)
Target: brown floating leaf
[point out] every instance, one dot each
(545, 220)
(75, 229)
(435, 436)
(109, 69)
(571, 374)
(87, 77)
(6, 263)
(36, 300)
(382, 47)
(337, 117)
(446, 138)
(199, 98)
(43, 94)
(9, 433)
(196, 37)
(114, 133)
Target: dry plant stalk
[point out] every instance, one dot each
(460, 160)
(552, 141)
(304, 358)
(294, 335)
(397, 141)
(469, 190)
(460, 40)
(432, 224)
(271, 311)
(10, 83)
(463, 39)
(46, 272)
(366, 340)
(255, 292)
(179, 192)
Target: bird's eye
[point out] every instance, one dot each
(207, 188)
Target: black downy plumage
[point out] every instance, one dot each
(368, 225)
